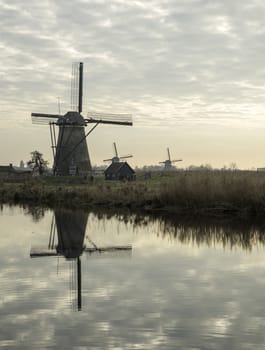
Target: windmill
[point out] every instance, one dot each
(70, 151)
(116, 158)
(70, 229)
(168, 162)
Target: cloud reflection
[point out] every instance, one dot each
(171, 293)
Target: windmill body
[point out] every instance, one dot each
(72, 155)
(71, 229)
(168, 164)
(70, 151)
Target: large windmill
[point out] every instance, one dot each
(116, 158)
(168, 162)
(70, 152)
(70, 229)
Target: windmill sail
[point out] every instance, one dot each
(109, 118)
(168, 154)
(77, 87)
(126, 250)
(168, 162)
(116, 157)
(126, 156)
(44, 119)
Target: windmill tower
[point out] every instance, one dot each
(168, 162)
(70, 229)
(70, 151)
(116, 158)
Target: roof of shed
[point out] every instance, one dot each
(114, 168)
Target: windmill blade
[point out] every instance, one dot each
(162, 162)
(108, 248)
(108, 254)
(109, 118)
(126, 250)
(107, 160)
(77, 86)
(127, 156)
(112, 251)
(115, 150)
(42, 252)
(42, 118)
(176, 160)
(80, 86)
(168, 153)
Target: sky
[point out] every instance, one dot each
(191, 73)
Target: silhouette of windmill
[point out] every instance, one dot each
(116, 158)
(70, 151)
(168, 162)
(70, 228)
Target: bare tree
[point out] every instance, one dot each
(37, 163)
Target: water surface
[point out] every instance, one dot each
(182, 286)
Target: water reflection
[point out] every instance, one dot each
(37, 213)
(171, 294)
(66, 238)
(230, 233)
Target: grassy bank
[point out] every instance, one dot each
(196, 193)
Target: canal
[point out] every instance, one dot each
(79, 280)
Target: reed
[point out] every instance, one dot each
(234, 193)
(216, 192)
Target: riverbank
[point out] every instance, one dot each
(236, 193)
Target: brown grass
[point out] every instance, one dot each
(216, 192)
(207, 193)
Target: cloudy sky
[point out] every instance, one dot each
(191, 72)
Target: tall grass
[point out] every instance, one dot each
(216, 192)
(208, 193)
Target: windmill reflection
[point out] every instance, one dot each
(70, 229)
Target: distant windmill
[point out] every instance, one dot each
(70, 229)
(168, 162)
(116, 158)
(70, 150)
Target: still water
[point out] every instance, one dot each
(180, 286)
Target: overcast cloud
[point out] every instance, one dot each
(188, 60)
(168, 62)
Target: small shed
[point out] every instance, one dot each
(6, 170)
(10, 170)
(119, 171)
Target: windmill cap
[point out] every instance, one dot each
(72, 118)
